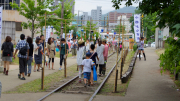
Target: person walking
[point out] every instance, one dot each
(73, 48)
(69, 45)
(105, 54)
(51, 52)
(29, 61)
(94, 55)
(38, 51)
(120, 47)
(7, 53)
(63, 52)
(23, 55)
(87, 64)
(100, 62)
(87, 45)
(44, 49)
(80, 53)
(141, 48)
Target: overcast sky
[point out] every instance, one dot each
(88, 5)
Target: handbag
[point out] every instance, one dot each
(7, 52)
(94, 73)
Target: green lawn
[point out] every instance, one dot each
(49, 80)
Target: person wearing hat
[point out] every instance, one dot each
(63, 52)
(87, 64)
(80, 53)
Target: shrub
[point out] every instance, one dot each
(135, 47)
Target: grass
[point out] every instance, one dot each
(34, 86)
(159, 51)
(108, 87)
(58, 55)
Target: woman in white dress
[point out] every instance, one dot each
(87, 45)
(80, 53)
(100, 50)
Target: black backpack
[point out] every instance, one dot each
(7, 50)
(23, 50)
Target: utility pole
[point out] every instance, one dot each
(78, 20)
(107, 24)
(62, 17)
(104, 23)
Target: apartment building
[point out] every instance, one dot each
(96, 15)
(113, 16)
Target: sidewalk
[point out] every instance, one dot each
(11, 81)
(147, 83)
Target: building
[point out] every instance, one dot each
(160, 37)
(125, 21)
(96, 16)
(12, 20)
(56, 2)
(113, 16)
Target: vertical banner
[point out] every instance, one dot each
(137, 26)
(48, 31)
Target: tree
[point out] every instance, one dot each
(67, 15)
(88, 28)
(121, 29)
(31, 12)
(168, 12)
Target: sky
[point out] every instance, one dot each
(88, 5)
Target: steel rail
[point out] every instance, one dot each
(100, 86)
(60, 87)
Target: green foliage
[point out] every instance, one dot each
(31, 11)
(171, 55)
(56, 23)
(117, 28)
(135, 47)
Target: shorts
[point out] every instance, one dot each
(87, 75)
(7, 58)
(73, 51)
(52, 60)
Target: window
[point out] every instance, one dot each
(18, 26)
(6, 4)
(8, 29)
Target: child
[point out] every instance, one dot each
(87, 63)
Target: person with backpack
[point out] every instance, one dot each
(38, 51)
(7, 53)
(23, 55)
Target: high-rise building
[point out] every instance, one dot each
(96, 15)
(113, 16)
(56, 2)
(85, 18)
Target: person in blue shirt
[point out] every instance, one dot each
(22, 58)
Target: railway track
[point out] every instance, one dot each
(73, 87)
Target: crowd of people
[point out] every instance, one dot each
(87, 54)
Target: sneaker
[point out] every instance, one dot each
(19, 76)
(88, 85)
(23, 78)
(85, 85)
(59, 68)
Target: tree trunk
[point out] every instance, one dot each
(32, 29)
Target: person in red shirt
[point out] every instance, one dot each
(105, 53)
(69, 44)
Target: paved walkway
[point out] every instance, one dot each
(11, 81)
(147, 83)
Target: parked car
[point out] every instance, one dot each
(153, 44)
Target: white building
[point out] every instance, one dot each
(85, 18)
(125, 21)
(96, 16)
(160, 36)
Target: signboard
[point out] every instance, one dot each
(48, 31)
(137, 26)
